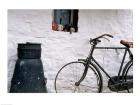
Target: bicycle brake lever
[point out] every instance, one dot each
(106, 38)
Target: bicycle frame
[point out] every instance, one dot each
(127, 50)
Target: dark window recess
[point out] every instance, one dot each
(65, 20)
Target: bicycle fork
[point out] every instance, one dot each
(88, 60)
(84, 74)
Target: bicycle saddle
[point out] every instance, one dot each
(128, 44)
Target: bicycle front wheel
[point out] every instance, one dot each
(71, 73)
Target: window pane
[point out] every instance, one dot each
(62, 17)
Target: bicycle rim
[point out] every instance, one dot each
(129, 72)
(71, 73)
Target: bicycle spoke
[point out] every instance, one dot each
(69, 75)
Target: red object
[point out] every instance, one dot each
(54, 26)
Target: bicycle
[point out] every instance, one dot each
(74, 76)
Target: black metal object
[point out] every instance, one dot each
(28, 75)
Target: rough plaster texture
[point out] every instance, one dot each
(59, 48)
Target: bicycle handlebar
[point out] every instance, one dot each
(104, 35)
(97, 39)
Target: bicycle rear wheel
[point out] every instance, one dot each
(71, 73)
(129, 77)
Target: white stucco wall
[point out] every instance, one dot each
(58, 48)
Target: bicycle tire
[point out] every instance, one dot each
(128, 74)
(66, 78)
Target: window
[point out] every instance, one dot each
(65, 20)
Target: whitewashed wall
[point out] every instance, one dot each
(58, 48)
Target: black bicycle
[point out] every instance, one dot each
(77, 76)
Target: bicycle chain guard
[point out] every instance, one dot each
(122, 84)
